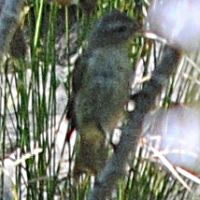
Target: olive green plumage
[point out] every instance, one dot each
(100, 88)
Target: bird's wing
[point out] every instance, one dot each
(78, 73)
(77, 79)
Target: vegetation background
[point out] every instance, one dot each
(35, 84)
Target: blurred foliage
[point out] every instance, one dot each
(54, 35)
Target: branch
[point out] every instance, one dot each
(144, 100)
(9, 18)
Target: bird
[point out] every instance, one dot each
(100, 89)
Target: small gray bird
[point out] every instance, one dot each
(100, 88)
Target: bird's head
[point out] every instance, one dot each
(114, 28)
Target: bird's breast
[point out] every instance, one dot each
(105, 87)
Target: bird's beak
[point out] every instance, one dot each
(137, 27)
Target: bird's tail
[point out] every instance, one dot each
(92, 151)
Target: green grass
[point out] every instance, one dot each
(28, 108)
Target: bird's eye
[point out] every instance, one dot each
(121, 29)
